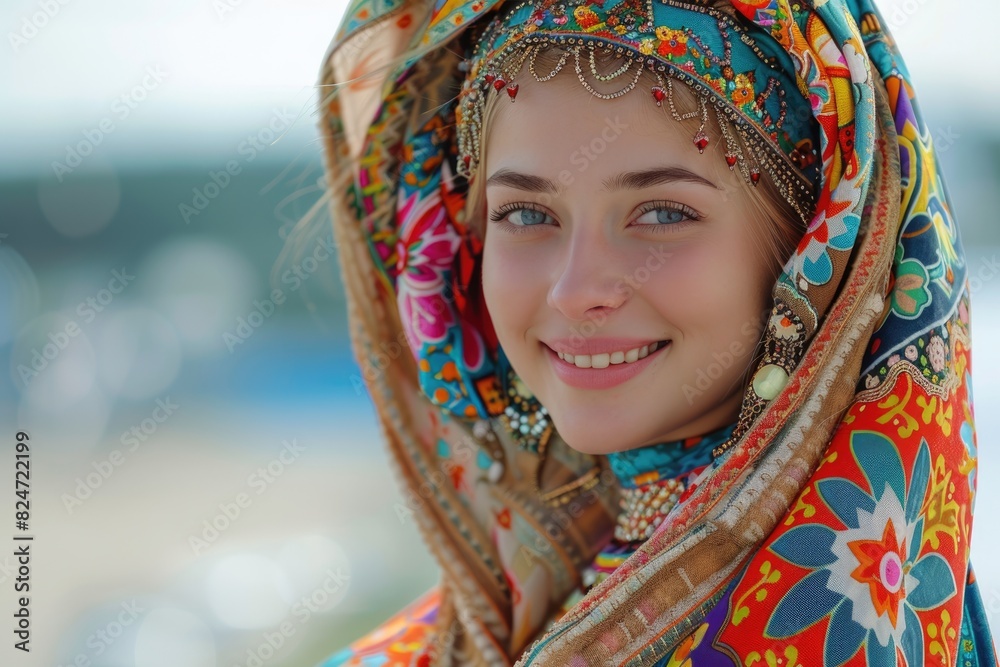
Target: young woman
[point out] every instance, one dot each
(665, 315)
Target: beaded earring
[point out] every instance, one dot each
(529, 425)
(525, 418)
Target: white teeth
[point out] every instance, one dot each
(606, 359)
(600, 360)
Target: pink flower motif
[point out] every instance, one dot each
(936, 353)
(426, 249)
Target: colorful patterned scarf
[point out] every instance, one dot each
(835, 531)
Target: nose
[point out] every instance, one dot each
(587, 282)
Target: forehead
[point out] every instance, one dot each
(558, 128)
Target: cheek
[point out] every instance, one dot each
(492, 285)
(510, 283)
(711, 289)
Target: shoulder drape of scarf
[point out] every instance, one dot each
(836, 532)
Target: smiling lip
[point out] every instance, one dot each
(600, 378)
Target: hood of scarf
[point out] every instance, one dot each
(873, 405)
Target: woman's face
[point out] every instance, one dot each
(607, 231)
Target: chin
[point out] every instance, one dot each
(590, 434)
(588, 437)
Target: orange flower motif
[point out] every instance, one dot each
(742, 95)
(673, 42)
(672, 48)
(586, 17)
(882, 568)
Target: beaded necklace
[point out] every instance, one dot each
(652, 480)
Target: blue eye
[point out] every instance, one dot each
(667, 214)
(529, 217)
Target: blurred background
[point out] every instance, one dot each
(209, 484)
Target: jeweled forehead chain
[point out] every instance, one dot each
(752, 155)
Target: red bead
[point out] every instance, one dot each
(489, 78)
(730, 160)
(659, 95)
(499, 84)
(754, 176)
(701, 140)
(512, 91)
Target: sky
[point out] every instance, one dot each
(224, 67)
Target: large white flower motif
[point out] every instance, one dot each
(871, 577)
(872, 568)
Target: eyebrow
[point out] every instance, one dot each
(629, 180)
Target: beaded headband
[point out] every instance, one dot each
(750, 80)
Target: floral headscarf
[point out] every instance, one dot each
(835, 529)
